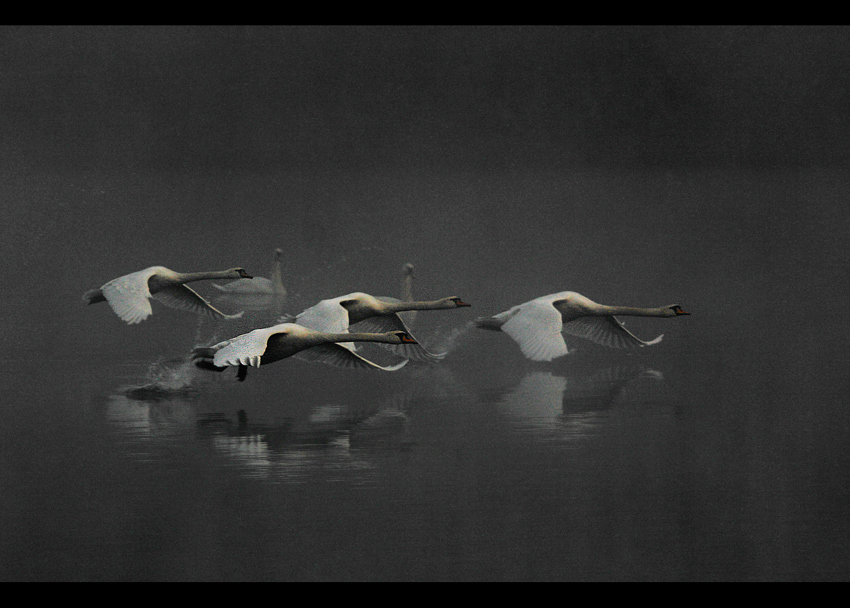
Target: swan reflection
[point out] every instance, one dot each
(331, 438)
(578, 404)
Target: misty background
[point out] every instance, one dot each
(700, 165)
(643, 166)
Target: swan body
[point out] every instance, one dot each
(536, 326)
(129, 295)
(270, 344)
(258, 285)
(335, 315)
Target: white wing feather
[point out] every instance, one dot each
(536, 327)
(183, 297)
(340, 356)
(328, 316)
(247, 349)
(129, 296)
(392, 322)
(606, 331)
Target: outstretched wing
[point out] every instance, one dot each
(186, 298)
(247, 349)
(606, 331)
(392, 322)
(129, 296)
(340, 356)
(536, 327)
(328, 316)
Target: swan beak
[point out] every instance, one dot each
(678, 310)
(460, 303)
(405, 339)
(245, 275)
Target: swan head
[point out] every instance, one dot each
(277, 253)
(241, 273)
(408, 269)
(404, 337)
(676, 310)
(456, 302)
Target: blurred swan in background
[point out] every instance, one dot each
(129, 295)
(409, 316)
(537, 325)
(258, 285)
(270, 344)
(376, 315)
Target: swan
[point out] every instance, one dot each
(258, 285)
(537, 325)
(129, 295)
(270, 344)
(407, 292)
(377, 315)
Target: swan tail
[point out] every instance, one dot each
(203, 352)
(93, 296)
(208, 365)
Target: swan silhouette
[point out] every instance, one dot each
(376, 315)
(409, 316)
(129, 295)
(537, 325)
(270, 344)
(258, 285)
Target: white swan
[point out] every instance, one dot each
(377, 315)
(129, 296)
(258, 285)
(537, 325)
(408, 316)
(270, 344)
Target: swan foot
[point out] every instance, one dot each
(242, 373)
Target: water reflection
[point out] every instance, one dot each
(578, 405)
(346, 434)
(332, 440)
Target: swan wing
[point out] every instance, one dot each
(328, 316)
(247, 349)
(392, 322)
(606, 331)
(536, 327)
(129, 296)
(339, 356)
(186, 298)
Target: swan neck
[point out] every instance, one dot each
(407, 289)
(402, 306)
(358, 337)
(187, 277)
(632, 311)
(276, 277)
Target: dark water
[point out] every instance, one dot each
(505, 165)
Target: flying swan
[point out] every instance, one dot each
(376, 315)
(258, 285)
(129, 296)
(270, 344)
(537, 325)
